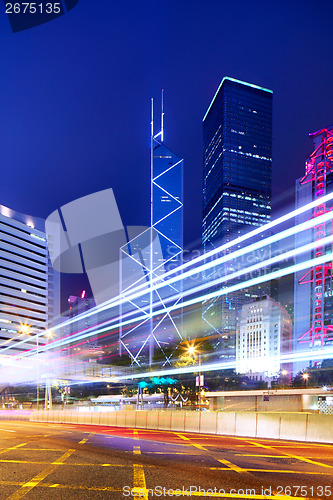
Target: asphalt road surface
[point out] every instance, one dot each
(50, 461)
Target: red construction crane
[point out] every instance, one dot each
(318, 166)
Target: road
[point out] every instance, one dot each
(50, 461)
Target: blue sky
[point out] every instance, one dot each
(75, 94)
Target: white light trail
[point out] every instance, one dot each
(115, 323)
(116, 301)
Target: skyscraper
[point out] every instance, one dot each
(29, 287)
(150, 254)
(237, 172)
(237, 132)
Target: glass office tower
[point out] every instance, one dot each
(237, 178)
(237, 131)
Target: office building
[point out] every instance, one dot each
(155, 251)
(237, 132)
(264, 334)
(29, 287)
(237, 173)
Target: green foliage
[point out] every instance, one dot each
(318, 377)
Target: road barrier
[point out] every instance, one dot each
(290, 426)
(15, 414)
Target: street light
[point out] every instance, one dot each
(191, 350)
(306, 378)
(25, 330)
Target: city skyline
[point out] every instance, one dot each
(166, 308)
(134, 168)
(71, 115)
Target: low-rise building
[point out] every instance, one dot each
(263, 339)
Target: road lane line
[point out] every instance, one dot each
(212, 494)
(174, 492)
(64, 486)
(83, 441)
(6, 430)
(83, 464)
(139, 479)
(232, 466)
(277, 471)
(41, 449)
(258, 456)
(185, 438)
(13, 447)
(40, 477)
(290, 455)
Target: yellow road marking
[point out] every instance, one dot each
(232, 466)
(39, 435)
(139, 480)
(37, 479)
(38, 449)
(108, 488)
(277, 471)
(302, 445)
(185, 438)
(211, 494)
(13, 447)
(290, 455)
(190, 453)
(83, 441)
(63, 486)
(275, 456)
(259, 456)
(67, 464)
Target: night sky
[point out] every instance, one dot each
(75, 95)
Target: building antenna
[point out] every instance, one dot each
(152, 118)
(162, 116)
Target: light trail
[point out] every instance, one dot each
(208, 367)
(244, 251)
(305, 356)
(230, 257)
(260, 230)
(240, 239)
(107, 327)
(236, 287)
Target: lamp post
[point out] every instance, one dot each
(284, 374)
(25, 329)
(306, 378)
(37, 373)
(191, 350)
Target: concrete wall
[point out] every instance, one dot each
(292, 426)
(15, 414)
(276, 402)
